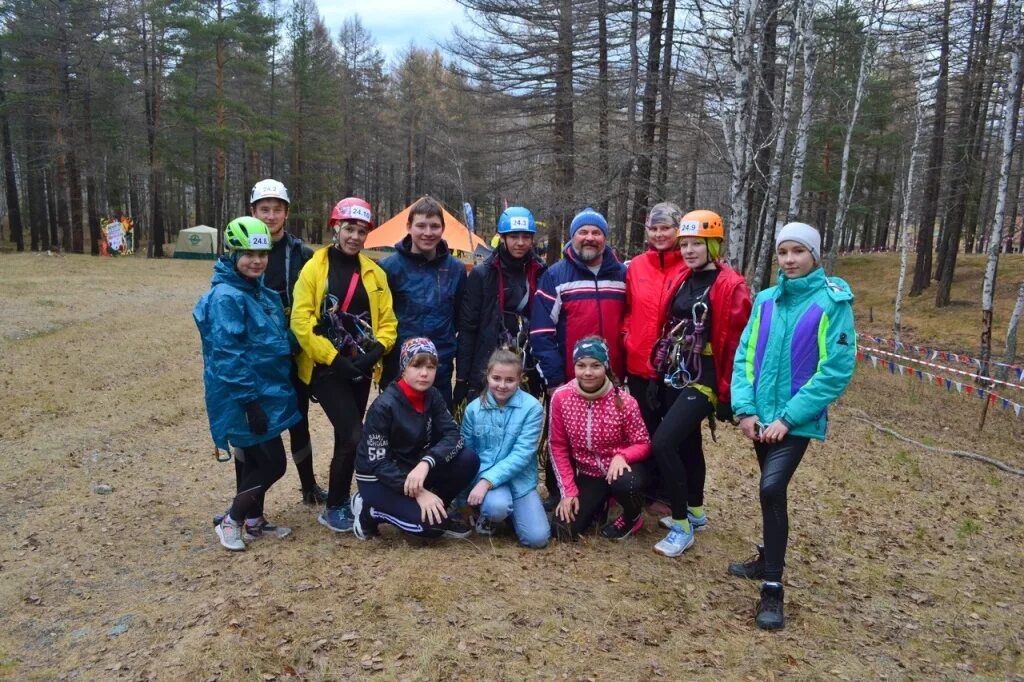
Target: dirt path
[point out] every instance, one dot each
(903, 564)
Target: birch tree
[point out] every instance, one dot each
(843, 200)
(806, 108)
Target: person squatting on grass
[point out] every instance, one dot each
(344, 322)
(796, 357)
(705, 314)
(411, 461)
(269, 202)
(250, 399)
(598, 441)
(503, 426)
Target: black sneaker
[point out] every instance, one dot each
(314, 495)
(622, 528)
(769, 609)
(752, 569)
(455, 528)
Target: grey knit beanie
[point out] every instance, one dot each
(801, 233)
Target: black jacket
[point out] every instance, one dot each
(284, 271)
(480, 317)
(396, 437)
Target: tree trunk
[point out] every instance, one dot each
(644, 163)
(806, 109)
(10, 177)
(766, 110)
(603, 163)
(52, 211)
(843, 198)
(1010, 356)
(667, 79)
(564, 140)
(220, 50)
(933, 180)
(151, 76)
(908, 189)
(626, 174)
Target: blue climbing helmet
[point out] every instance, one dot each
(516, 219)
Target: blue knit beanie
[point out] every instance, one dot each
(588, 216)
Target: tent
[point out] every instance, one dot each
(197, 242)
(393, 231)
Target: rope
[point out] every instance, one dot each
(1003, 466)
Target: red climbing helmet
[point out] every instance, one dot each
(352, 208)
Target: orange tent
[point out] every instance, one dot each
(393, 231)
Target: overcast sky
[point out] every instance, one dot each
(396, 23)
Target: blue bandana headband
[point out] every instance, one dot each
(413, 347)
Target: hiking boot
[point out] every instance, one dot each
(769, 608)
(697, 523)
(339, 519)
(752, 569)
(255, 529)
(314, 495)
(363, 525)
(676, 542)
(230, 534)
(621, 528)
(483, 526)
(455, 528)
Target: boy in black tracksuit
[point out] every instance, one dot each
(411, 461)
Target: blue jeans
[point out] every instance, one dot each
(528, 515)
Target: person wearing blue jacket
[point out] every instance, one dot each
(503, 426)
(427, 284)
(796, 357)
(247, 352)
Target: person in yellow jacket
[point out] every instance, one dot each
(344, 320)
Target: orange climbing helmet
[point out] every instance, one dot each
(702, 223)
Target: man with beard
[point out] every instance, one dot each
(496, 307)
(584, 294)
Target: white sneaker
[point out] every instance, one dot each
(230, 534)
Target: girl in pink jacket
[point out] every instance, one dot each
(598, 441)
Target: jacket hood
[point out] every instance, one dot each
(609, 263)
(224, 272)
(404, 247)
(837, 288)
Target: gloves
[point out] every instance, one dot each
(345, 368)
(460, 392)
(256, 418)
(365, 362)
(723, 412)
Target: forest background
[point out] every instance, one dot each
(763, 110)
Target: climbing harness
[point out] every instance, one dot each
(676, 356)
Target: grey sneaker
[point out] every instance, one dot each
(230, 534)
(261, 528)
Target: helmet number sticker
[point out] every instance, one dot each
(689, 227)
(519, 223)
(360, 213)
(257, 240)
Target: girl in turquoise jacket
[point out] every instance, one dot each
(796, 356)
(504, 427)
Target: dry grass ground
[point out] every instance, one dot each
(903, 564)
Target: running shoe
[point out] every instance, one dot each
(483, 526)
(622, 528)
(769, 608)
(363, 525)
(752, 569)
(314, 495)
(339, 519)
(676, 542)
(697, 523)
(255, 529)
(455, 528)
(217, 518)
(230, 534)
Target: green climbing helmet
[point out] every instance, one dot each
(247, 234)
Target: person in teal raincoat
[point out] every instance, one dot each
(246, 363)
(796, 356)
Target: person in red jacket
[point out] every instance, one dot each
(598, 441)
(706, 315)
(651, 280)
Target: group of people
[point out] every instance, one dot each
(619, 366)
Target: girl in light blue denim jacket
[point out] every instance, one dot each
(504, 427)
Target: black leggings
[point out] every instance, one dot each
(344, 403)
(628, 491)
(778, 462)
(679, 450)
(264, 465)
